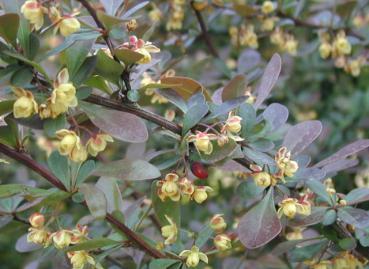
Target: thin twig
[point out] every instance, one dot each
(204, 31)
(45, 173)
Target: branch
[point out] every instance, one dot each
(204, 31)
(45, 173)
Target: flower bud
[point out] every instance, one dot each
(79, 153)
(233, 124)
(68, 141)
(25, 106)
(194, 256)
(131, 25)
(202, 142)
(267, 7)
(37, 220)
(33, 11)
(169, 232)
(222, 242)
(325, 50)
(98, 143)
(79, 233)
(291, 46)
(68, 26)
(217, 223)
(262, 179)
(200, 194)
(79, 259)
(62, 239)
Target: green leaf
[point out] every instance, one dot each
(162, 263)
(28, 40)
(75, 55)
(6, 106)
(168, 207)
(108, 21)
(95, 200)
(9, 24)
(22, 77)
(121, 125)
(100, 83)
(260, 224)
(87, 168)
(95, 243)
(193, 116)
(347, 243)
(185, 87)
(358, 195)
(319, 189)
(330, 217)
(58, 165)
(53, 125)
(219, 153)
(204, 236)
(112, 193)
(128, 56)
(85, 71)
(107, 68)
(354, 216)
(9, 190)
(302, 254)
(127, 169)
(7, 136)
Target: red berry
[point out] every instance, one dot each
(199, 170)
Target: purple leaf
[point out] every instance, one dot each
(345, 152)
(268, 80)
(248, 60)
(339, 165)
(234, 88)
(302, 135)
(276, 114)
(217, 96)
(354, 216)
(357, 196)
(121, 125)
(233, 166)
(316, 216)
(260, 224)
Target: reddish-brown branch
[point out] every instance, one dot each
(45, 173)
(204, 31)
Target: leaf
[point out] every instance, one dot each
(22, 77)
(7, 136)
(95, 200)
(8, 190)
(111, 6)
(75, 55)
(330, 217)
(162, 263)
(128, 56)
(354, 216)
(84, 72)
(197, 109)
(86, 169)
(58, 165)
(248, 60)
(302, 254)
(95, 243)
(107, 68)
(100, 83)
(108, 20)
(358, 195)
(319, 189)
(347, 243)
(219, 153)
(248, 115)
(204, 235)
(260, 224)
(9, 24)
(225, 107)
(121, 125)
(302, 135)
(6, 106)
(112, 193)
(174, 98)
(185, 87)
(268, 80)
(53, 125)
(345, 152)
(234, 88)
(276, 115)
(128, 170)
(134, 9)
(316, 216)
(28, 40)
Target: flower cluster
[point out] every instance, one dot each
(203, 140)
(34, 12)
(285, 41)
(70, 145)
(342, 260)
(61, 239)
(222, 241)
(339, 48)
(143, 47)
(176, 15)
(175, 189)
(289, 207)
(244, 36)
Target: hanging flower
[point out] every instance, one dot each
(169, 232)
(194, 256)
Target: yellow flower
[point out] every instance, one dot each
(222, 242)
(79, 234)
(98, 143)
(25, 105)
(79, 153)
(65, 93)
(291, 45)
(194, 256)
(217, 223)
(155, 14)
(187, 189)
(68, 26)
(33, 11)
(202, 142)
(233, 124)
(248, 37)
(267, 7)
(341, 45)
(38, 236)
(262, 179)
(353, 67)
(37, 220)
(142, 47)
(277, 37)
(68, 141)
(296, 234)
(268, 24)
(169, 188)
(290, 207)
(322, 265)
(325, 50)
(169, 232)
(62, 239)
(346, 260)
(285, 164)
(131, 25)
(201, 193)
(79, 259)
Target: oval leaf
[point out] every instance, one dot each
(95, 200)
